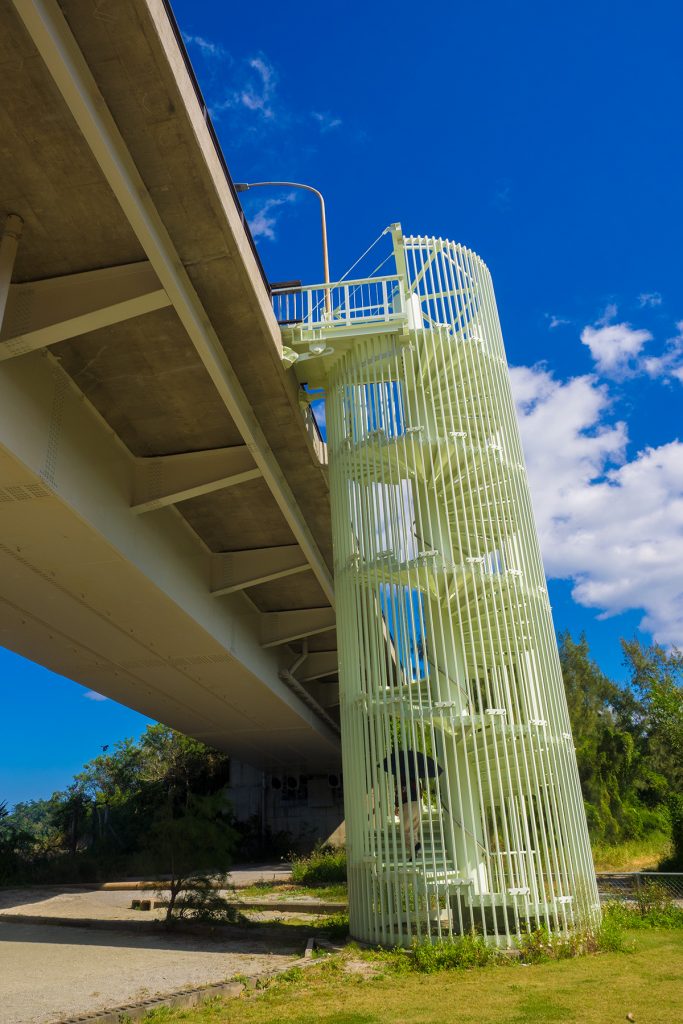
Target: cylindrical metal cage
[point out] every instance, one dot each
(463, 805)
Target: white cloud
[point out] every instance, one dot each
(245, 91)
(613, 526)
(649, 299)
(205, 46)
(555, 321)
(615, 348)
(326, 120)
(618, 348)
(257, 92)
(262, 223)
(249, 86)
(93, 695)
(670, 362)
(609, 314)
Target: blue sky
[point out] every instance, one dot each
(547, 138)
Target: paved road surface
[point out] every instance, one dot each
(51, 973)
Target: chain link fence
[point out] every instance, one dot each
(635, 885)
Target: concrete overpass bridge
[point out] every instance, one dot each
(164, 509)
(166, 523)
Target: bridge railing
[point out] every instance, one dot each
(341, 304)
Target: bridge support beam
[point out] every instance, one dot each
(237, 570)
(283, 627)
(169, 479)
(318, 665)
(41, 313)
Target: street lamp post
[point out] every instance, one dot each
(245, 186)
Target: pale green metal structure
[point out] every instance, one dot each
(462, 797)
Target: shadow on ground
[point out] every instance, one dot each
(247, 938)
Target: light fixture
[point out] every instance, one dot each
(244, 186)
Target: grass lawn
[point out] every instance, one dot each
(597, 989)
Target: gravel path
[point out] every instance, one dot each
(50, 973)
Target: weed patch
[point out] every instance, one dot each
(458, 954)
(540, 946)
(325, 865)
(334, 893)
(610, 937)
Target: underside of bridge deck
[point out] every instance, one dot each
(164, 508)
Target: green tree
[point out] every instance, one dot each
(628, 740)
(14, 845)
(99, 826)
(189, 829)
(70, 816)
(184, 841)
(605, 724)
(36, 818)
(111, 784)
(657, 679)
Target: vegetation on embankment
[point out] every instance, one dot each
(644, 854)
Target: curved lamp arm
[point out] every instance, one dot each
(245, 186)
